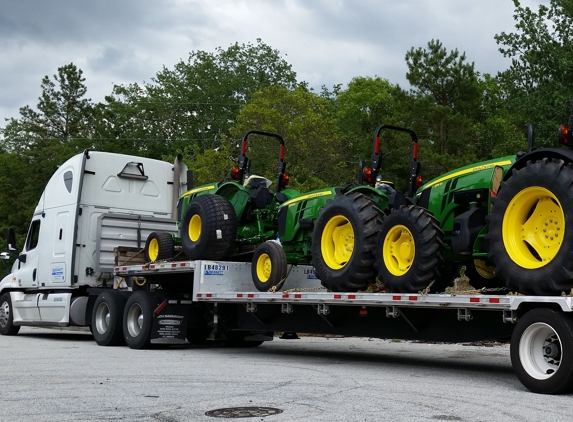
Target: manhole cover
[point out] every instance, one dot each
(243, 412)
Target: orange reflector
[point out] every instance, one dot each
(362, 312)
(367, 172)
(419, 181)
(235, 173)
(564, 134)
(286, 179)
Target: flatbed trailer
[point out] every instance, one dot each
(217, 300)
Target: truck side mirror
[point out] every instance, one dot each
(11, 240)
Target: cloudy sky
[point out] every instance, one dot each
(326, 41)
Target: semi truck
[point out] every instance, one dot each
(69, 273)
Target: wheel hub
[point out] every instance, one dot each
(337, 242)
(540, 351)
(398, 250)
(533, 227)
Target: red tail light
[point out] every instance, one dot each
(419, 181)
(367, 172)
(286, 179)
(235, 173)
(564, 134)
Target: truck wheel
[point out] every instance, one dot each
(269, 266)
(542, 351)
(409, 249)
(159, 246)
(138, 319)
(209, 228)
(483, 275)
(7, 327)
(530, 229)
(107, 316)
(343, 243)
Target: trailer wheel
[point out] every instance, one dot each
(209, 228)
(107, 316)
(269, 266)
(482, 275)
(159, 245)
(138, 319)
(542, 351)
(343, 242)
(409, 249)
(530, 229)
(7, 327)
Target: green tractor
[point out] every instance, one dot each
(224, 219)
(507, 220)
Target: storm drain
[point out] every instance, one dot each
(243, 412)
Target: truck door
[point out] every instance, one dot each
(27, 273)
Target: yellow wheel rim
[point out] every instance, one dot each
(337, 242)
(484, 270)
(153, 249)
(195, 228)
(398, 250)
(264, 268)
(533, 227)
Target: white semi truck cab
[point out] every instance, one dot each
(93, 203)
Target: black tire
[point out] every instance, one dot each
(159, 246)
(483, 275)
(343, 243)
(7, 327)
(209, 228)
(237, 339)
(409, 249)
(107, 317)
(542, 351)
(138, 319)
(269, 266)
(531, 229)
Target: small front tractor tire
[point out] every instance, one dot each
(531, 229)
(482, 275)
(209, 228)
(159, 246)
(409, 250)
(269, 266)
(343, 242)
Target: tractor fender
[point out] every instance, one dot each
(378, 196)
(538, 155)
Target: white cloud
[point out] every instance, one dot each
(326, 41)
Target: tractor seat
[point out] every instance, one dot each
(259, 193)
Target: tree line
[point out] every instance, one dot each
(201, 106)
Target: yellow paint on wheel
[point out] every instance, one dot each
(264, 268)
(483, 269)
(533, 227)
(195, 228)
(337, 242)
(153, 249)
(399, 250)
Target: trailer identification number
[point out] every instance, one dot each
(216, 269)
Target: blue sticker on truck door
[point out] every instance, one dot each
(58, 274)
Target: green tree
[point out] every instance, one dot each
(191, 107)
(315, 150)
(539, 81)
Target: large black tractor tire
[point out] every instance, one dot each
(209, 228)
(483, 275)
(531, 229)
(7, 327)
(269, 266)
(138, 319)
(159, 246)
(542, 351)
(409, 250)
(107, 318)
(343, 243)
